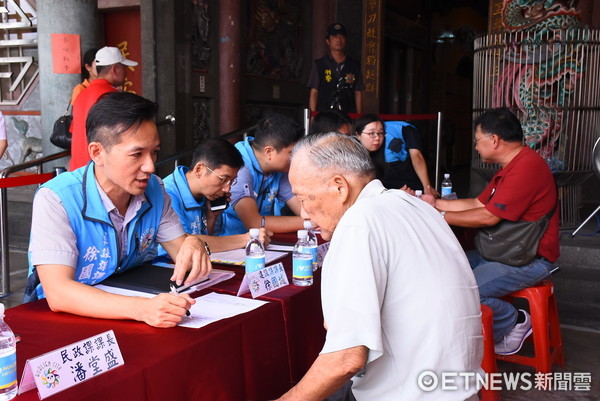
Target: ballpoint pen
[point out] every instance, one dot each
(176, 293)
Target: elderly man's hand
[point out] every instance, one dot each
(407, 189)
(192, 256)
(429, 199)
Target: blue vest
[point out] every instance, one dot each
(265, 191)
(191, 212)
(96, 236)
(395, 145)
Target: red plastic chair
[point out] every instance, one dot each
(489, 356)
(547, 340)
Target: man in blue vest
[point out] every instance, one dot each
(107, 217)
(193, 190)
(263, 180)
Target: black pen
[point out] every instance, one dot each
(176, 293)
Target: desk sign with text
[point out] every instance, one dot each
(68, 366)
(321, 252)
(264, 280)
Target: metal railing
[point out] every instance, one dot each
(174, 158)
(399, 117)
(39, 163)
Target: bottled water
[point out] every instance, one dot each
(313, 243)
(8, 360)
(255, 252)
(446, 185)
(302, 271)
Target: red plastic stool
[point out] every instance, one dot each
(489, 356)
(547, 341)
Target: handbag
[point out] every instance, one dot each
(61, 136)
(512, 243)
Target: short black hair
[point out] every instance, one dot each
(114, 113)
(501, 122)
(216, 152)
(276, 130)
(328, 121)
(100, 68)
(88, 59)
(364, 120)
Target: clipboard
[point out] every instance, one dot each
(148, 278)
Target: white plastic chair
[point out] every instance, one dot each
(596, 167)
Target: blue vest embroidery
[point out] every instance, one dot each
(266, 191)
(96, 236)
(395, 145)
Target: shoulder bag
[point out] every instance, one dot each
(61, 136)
(513, 243)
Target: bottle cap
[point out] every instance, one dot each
(446, 175)
(418, 192)
(302, 234)
(254, 232)
(307, 224)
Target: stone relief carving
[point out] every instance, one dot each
(200, 31)
(275, 39)
(200, 129)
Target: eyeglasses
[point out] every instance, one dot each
(475, 140)
(374, 134)
(224, 180)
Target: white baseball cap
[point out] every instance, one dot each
(112, 55)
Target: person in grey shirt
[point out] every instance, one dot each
(107, 217)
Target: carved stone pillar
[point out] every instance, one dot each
(229, 65)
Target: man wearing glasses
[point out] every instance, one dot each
(195, 191)
(522, 190)
(262, 183)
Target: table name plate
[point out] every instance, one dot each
(263, 281)
(70, 365)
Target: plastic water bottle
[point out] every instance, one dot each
(302, 270)
(446, 185)
(255, 252)
(313, 243)
(8, 360)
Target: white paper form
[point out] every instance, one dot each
(213, 307)
(280, 247)
(238, 257)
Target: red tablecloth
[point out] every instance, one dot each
(302, 314)
(241, 358)
(254, 356)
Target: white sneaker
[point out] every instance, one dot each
(513, 341)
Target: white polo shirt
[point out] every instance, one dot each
(397, 281)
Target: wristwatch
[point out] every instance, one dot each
(207, 249)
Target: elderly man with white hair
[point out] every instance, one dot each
(400, 301)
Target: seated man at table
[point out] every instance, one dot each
(213, 171)
(107, 217)
(330, 121)
(399, 297)
(263, 181)
(522, 190)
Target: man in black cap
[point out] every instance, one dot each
(335, 80)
